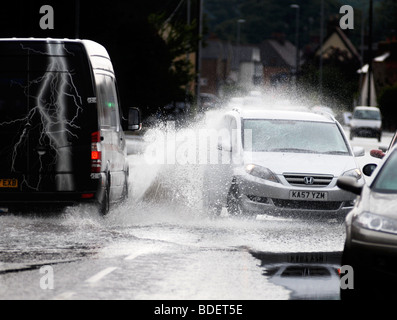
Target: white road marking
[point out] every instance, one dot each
(64, 296)
(100, 275)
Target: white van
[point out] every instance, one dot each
(366, 122)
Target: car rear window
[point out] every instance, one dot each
(366, 114)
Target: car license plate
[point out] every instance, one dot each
(308, 195)
(8, 183)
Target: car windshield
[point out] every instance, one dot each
(367, 115)
(386, 180)
(294, 136)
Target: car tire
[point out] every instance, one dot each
(125, 193)
(212, 209)
(234, 206)
(104, 204)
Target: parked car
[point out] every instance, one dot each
(61, 128)
(366, 122)
(381, 152)
(371, 230)
(280, 161)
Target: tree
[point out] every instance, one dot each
(147, 69)
(387, 104)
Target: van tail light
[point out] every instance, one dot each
(96, 154)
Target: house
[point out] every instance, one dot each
(278, 58)
(384, 72)
(215, 65)
(246, 68)
(338, 41)
(223, 63)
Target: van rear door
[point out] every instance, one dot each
(44, 117)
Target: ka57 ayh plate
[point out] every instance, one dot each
(308, 195)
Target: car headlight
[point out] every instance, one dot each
(355, 173)
(376, 222)
(261, 172)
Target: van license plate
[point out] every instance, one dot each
(308, 195)
(8, 183)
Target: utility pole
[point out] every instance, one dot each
(188, 18)
(369, 74)
(321, 52)
(296, 7)
(199, 49)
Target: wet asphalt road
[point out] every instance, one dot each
(160, 245)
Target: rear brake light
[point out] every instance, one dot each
(96, 154)
(87, 196)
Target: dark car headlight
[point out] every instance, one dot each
(376, 222)
(261, 172)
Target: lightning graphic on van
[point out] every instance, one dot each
(50, 93)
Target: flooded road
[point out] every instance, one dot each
(160, 244)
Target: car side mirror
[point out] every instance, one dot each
(369, 168)
(349, 184)
(358, 151)
(134, 119)
(377, 153)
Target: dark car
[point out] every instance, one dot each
(371, 230)
(61, 129)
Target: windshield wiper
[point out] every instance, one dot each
(292, 150)
(335, 152)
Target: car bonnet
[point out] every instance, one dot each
(288, 162)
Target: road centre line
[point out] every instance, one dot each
(100, 275)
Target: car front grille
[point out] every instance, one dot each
(307, 205)
(308, 180)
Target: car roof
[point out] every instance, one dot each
(284, 115)
(366, 108)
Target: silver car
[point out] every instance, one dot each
(281, 161)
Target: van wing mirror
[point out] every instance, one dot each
(349, 184)
(134, 119)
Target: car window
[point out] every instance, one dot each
(296, 136)
(386, 180)
(107, 99)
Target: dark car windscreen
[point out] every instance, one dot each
(44, 84)
(295, 136)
